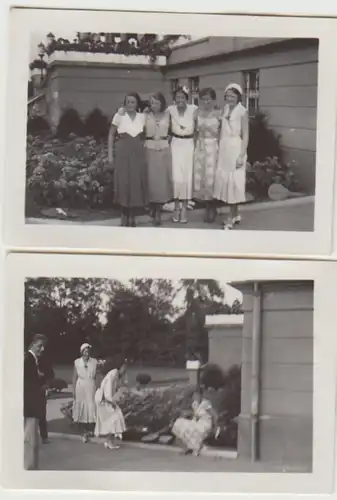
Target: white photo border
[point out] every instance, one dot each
(22, 266)
(92, 238)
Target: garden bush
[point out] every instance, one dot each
(70, 123)
(143, 378)
(156, 409)
(37, 125)
(263, 141)
(262, 174)
(96, 125)
(70, 174)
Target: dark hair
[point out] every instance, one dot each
(208, 91)
(236, 92)
(136, 96)
(180, 90)
(38, 337)
(159, 97)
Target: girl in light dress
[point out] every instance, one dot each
(208, 123)
(110, 421)
(192, 432)
(129, 162)
(158, 155)
(183, 126)
(84, 388)
(230, 175)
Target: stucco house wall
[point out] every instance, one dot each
(288, 87)
(286, 378)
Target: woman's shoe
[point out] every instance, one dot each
(110, 446)
(237, 219)
(227, 225)
(85, 439)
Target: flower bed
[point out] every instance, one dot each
(68, 174)
(149, 414)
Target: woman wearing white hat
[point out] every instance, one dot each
(230, 176)
(84, 388)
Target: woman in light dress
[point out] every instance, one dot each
(192, 432)
(230, 176)
(206, 151)
(84, 388)
(183, 121)
(129, 163)
(110, 421)
(158, 155)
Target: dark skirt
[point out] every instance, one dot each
(160, 186)
(130, 172)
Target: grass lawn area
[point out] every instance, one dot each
(158, 374)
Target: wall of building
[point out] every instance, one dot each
(288, 92)
(288, 86)
(225, 340)
(286, 383)
(85, 87)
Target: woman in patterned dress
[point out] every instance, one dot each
(158, 155)
(129, 163)
(84, 388)
(206, 151)
(230, 176)
(183, 120)
(191, 433)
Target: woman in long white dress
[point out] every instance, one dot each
(183, 126)
(110, 421)
(230, 175)
(84, 388)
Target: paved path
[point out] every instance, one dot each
(71, 455)
(290, 215)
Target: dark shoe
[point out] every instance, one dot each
(45, 441)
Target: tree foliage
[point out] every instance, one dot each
(141, 318)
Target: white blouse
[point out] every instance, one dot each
(182, 124)
(125, 124)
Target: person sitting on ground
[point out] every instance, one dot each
(192, 432)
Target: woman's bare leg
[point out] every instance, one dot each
(184, 212)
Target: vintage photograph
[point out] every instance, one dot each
(223, 125)
(163, 365)
(155, 374)
(134, 129)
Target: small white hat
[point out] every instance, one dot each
(84, 346)
(235, 86)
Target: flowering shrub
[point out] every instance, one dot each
(153, 410)
(261, 174)
(70, 174)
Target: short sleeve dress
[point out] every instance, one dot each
(84, 409)
(130, 162)
(230, 181)
(182, 148)
(206, 155)
(159, 159)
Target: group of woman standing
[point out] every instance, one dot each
(181, 152)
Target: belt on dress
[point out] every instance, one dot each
(156, 138)
(190, 136)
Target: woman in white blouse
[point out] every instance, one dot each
(129, 160)
(183, 125)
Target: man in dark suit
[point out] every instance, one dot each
(46, 374)
(32, 404)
